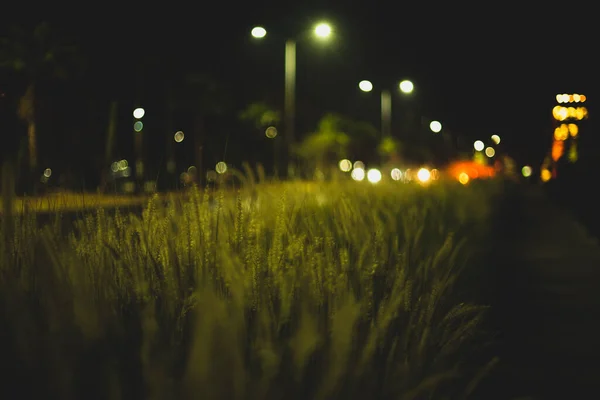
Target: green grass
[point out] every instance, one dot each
(294, 291)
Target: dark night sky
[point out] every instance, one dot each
(479, 70)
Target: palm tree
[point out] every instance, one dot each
(36, 57)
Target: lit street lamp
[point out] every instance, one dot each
(435, 126)
(405, 87)
(321, 31)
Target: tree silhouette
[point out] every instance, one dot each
(260, 115)
(37, 56)
(202, 96)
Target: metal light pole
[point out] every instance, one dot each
(321, 30)
(290, 95)
(406, 87)
(386, 113)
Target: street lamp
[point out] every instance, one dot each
(406, 87)
(386, 103)
(322, 31)
(435, 126)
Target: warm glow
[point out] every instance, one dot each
(561, 132)
(423, 175)
(396, 174)
(473, 169)
(546, 175)
(365, 86)
(463, 178)
(179, 136)
(526, 171)
(573, 130)
(496, 139)
(406, 87)
(258, 32)
(490, 152)
(478, 145)
(570, 98)
(558, 149)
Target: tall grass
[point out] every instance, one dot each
(284, 291)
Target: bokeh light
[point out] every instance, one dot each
(138, 126)
(345, 165)
(221, 167)
(258, 32)
(365, 86)
(406, 87)
(545, 175)
(323, 30)
(423, 175)
(374, 175)
(490, 152)
(478, 145)
(464, 178)
(179, 136)
(358, 174)
(271, 132)
(496, 139)
(139, 113)
(358, 165)
(396, 174)
(526, 171)
(435, 126)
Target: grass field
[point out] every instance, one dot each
(351, 291)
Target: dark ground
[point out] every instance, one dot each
(546, 301)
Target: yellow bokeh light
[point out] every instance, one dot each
(271, 132)
(561, 132)
(396, 174)
(526, 171)
(573, 130)
(490, 152)
(221, 167)
(345, 165)
(496, 139)
(179, 136)
(546, 175)
(423, 175)
(463, 178)
(374, 175)
(358, 174)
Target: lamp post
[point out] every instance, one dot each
(321, 31)
(406, 87)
